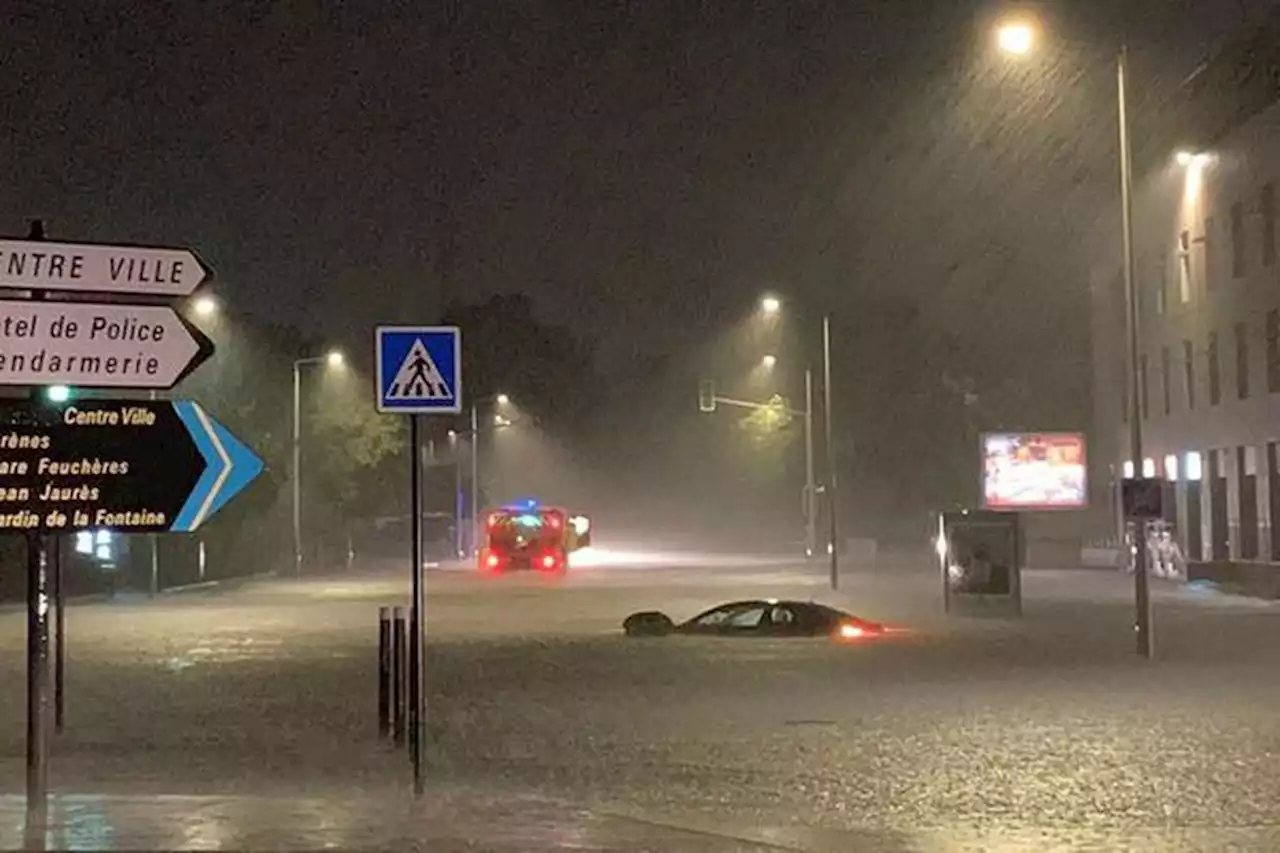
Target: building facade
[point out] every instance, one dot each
(1208, 276)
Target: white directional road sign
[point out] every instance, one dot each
(97, 346)
(93, 268)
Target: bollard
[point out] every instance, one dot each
(384, 671)
(398, 669)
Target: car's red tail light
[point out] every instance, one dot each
(493, 561)
(549, 561)
(849, 631)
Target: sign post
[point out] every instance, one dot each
(419, 371)
(102, 464)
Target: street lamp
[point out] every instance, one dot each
(770, 306)
(1017, 38)
(205, 306)
(333, 359)
(498, 421)
(769, 361)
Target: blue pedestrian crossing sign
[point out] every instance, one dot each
(419, 369)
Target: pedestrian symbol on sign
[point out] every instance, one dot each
(418, 378)
(419, 369)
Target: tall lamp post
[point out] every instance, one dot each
(770, 306)
(1019, 38)
(474, 434)
(332, 359)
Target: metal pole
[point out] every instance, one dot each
(384, 671)
(37, 790)
(832, 503)
(475, 478)
(297, 469)
(417, 709)
(37, 688)
(398, 678)
(153, 587)
(1141, 590)
(59, 635)
(810, 504)
(457, 497)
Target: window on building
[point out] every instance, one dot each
(1268, 205)
(1165, 381)
(1143, 403)
(1184, 267)
(1210, 254)
(1189, 373)
(1215, 374)
(1237, 240)
(1160, 285)
(1273, 351)
(1242, 361)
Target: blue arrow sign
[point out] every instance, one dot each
(133, 466)
(229, 467)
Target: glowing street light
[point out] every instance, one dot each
(769, 361)
(1016, 38)
(334, 360)
(502, 400)
(205, 306)
(1187, 159)
(770, 305)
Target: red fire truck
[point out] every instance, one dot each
(527, 536)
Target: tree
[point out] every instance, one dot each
(764, 438)
(546, 370)
(352, 445)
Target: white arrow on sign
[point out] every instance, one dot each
(94, 268)
(97, 346)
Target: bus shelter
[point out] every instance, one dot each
(980, 560)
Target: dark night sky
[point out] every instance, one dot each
(636, 166)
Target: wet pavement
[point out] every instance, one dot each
(246, 720)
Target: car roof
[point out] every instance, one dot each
(777, 602)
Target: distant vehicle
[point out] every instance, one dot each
(528, 536)
(759, 618)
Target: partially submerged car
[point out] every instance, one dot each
(758, 618)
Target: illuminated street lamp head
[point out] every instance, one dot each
(1187, 159)
(770, 305)
(335, 358)
(1016, 37)
(503, 399)
(205, 306)
(769, 361)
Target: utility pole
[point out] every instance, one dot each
(810, 499)
(833, 507)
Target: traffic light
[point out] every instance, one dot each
(706, 395)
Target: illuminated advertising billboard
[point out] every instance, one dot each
(1034, 471)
